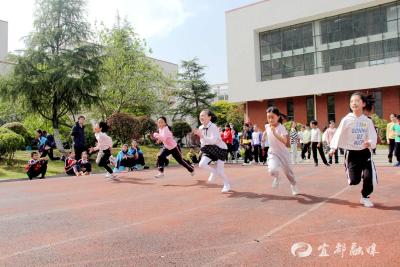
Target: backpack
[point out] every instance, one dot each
(50, 141)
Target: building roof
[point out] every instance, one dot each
(248, 5)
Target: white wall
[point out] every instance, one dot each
(3, 39)
(243, 26)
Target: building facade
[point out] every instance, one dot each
(221, 91)
(5, 66)
(307, 57)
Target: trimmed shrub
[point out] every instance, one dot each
(147, 126)
(380, 125)
(9, 143)
(20, 129)
(123, 127)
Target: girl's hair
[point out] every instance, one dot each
(39, 132)
(314, 122)
(210, 114)
(276, 111)
(165, 120)
(227, 126)
(369, 100)
(104, 127)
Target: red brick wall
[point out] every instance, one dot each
(390, 101)
(322, 111)
(257, 112)
(342, 103)
(300, 109)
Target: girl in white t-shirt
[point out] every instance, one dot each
(278, 154)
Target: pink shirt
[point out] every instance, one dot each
(166, 137)
(104, 142)
(276, 146)
(329, 133)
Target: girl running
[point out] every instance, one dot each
(165, 137)
(356, 134)
(278, 154)
(104, 145)
(212, 148)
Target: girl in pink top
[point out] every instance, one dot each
(278, 153)
(165, 137)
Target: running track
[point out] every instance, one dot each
(183, 221)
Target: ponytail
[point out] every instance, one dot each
(276, 111)
(210, 114)
(369, 100)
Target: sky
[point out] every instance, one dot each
(175, 30)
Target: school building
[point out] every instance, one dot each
(308, 56)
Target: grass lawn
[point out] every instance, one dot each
(57, 167)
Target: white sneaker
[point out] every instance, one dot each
(226, 188)
(192, 173)
(366, 202)
(246, 164)
(115, 177)
(295, 191)
(159, 175)
(211, 178)
(107, 175)
(275, 182)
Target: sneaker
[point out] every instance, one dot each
(246, 164)
(114, 177)
(275, 182)
(327, 164)
(211, 178)
(295, 190)
(107, 175)
(316, 164)
(366, 202)
(192, 173)
(397, 164)
(226, 188)
(159, 175)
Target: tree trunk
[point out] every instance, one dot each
(57, 139)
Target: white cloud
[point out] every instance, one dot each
(150, 18)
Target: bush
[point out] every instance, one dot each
(147, 126)
(20, 129)
(9, 143)
(123, 127)
(180, 129)
(89, 135)
(380, 125)
(288, 126)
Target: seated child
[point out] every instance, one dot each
(36, 166)
(70, 165)
(136, 157)
(84, 166)
(122, 159)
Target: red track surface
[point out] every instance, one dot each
(182, 220)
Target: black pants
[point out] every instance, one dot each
(230, 151)
(305, 148)
(105, 160)
(315, 147)
(265, 154)
(359, 165)
(397, 151)
(247, 154)
(391, 149)
(49, 152)
(78, 152)
(176, 154)
(85, 167)
(34, 172)
(336, 157)
(257, 152)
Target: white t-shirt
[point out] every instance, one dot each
(276, 146)
(316, 135)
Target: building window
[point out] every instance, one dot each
(348, 41)
(331, 107)
(290, 109)
(378, 103)
(310, 108)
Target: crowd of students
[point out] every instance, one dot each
(356, 135)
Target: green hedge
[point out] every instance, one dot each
(20, 129)
(9, 143)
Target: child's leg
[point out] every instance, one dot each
(205, 164)
(322, 154)
(287, 169)
(314, 151)
(397, 151)
(367, 174)
(294, 153)
(161, 159)
(273, 166)
(176, 153)
(221, 171)
(353, 165)
(105, 159)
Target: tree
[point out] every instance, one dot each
(130, 80)
(180, 129)
(229, 113)
(194, 93)
(58, 72)
(147, 126)
(123, 127)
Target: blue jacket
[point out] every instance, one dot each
(78, 134)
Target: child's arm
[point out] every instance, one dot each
(337, 138)
(283, 138)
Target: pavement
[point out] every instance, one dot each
(181, 220)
